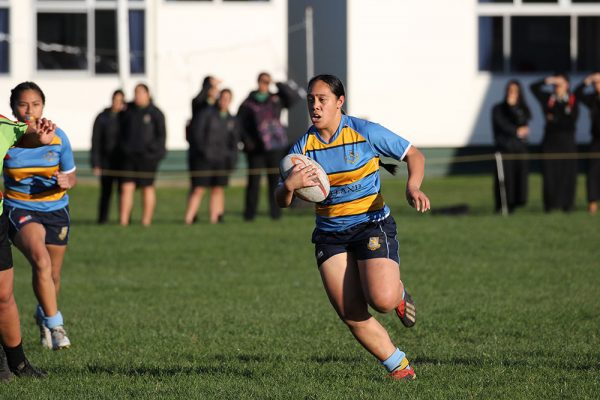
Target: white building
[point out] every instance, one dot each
(428, 69)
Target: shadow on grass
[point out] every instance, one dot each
(480, 362)
(140, 371)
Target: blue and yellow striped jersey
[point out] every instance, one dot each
(351, 161)
(29, 180)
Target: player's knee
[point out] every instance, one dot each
(385, 302)
(7, 298)
(42, 264)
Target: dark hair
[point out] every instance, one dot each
(226, 90)
(262, 74)
(334, 83)
(143, 85)
(562, 75)
(118, 91)
(15, 93)
(521, 99)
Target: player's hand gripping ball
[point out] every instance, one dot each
(314, 194)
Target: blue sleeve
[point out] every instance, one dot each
(298, 147)
(67, 162)
(386, 142)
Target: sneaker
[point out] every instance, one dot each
(59, 338)
(5, 374)
(45, 336)
(407, 311)
(25, 369)
(403, 374)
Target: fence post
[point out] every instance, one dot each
(501, 183)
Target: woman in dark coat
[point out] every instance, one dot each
(560, 111)
(592, 101)
(143, 138)
(509, 120)
(213, 142)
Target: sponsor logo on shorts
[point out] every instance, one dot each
(374, 243)
(24, 219)
(320, 254)
(63, 232)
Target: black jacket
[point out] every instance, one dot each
(592, 101)
(143, 132)
(505, 121)
(560, 114)
(253, 114)
(214, 137)
(105, 140)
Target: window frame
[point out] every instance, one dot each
(5, 5)
(563, 8)
(87, 7)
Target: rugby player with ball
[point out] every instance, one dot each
(355, 236)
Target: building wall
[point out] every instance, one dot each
(412, 66)
(184, 42)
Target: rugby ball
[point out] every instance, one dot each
(314, 194)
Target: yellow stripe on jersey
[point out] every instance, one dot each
(346, 178)
(49, 195)
(354, 207)
(19, 174)
(55, 140)
(346, 136)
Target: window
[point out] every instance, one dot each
(589, 56)
(137, 45)
(4, 43)
(490, 44)
(62, 41)
(557, 37)
(83, 35)
(540, 44)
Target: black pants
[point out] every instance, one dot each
(107, 183)
(559, 176)
(593, 173)
(257, 162)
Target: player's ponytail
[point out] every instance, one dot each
(391, 168)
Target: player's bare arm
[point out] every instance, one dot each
(65, 181)
(415, 161)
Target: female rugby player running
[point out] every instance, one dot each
(36, 180)
(355, 236)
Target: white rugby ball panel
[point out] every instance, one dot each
(313, 194)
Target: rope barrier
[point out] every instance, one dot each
(436, 161)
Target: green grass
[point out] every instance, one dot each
(508, 307)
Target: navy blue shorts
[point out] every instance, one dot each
(6, 260)
(57, 223)
(364, 241)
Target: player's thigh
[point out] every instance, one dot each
(342, 283)
(31, 240)
(380, 279)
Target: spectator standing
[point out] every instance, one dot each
(509, 120)
(560, 109)
(212, 156)
(143, 138)
(265, 140)
(592, 101)
(104, 153)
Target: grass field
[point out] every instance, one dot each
(508, 307)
